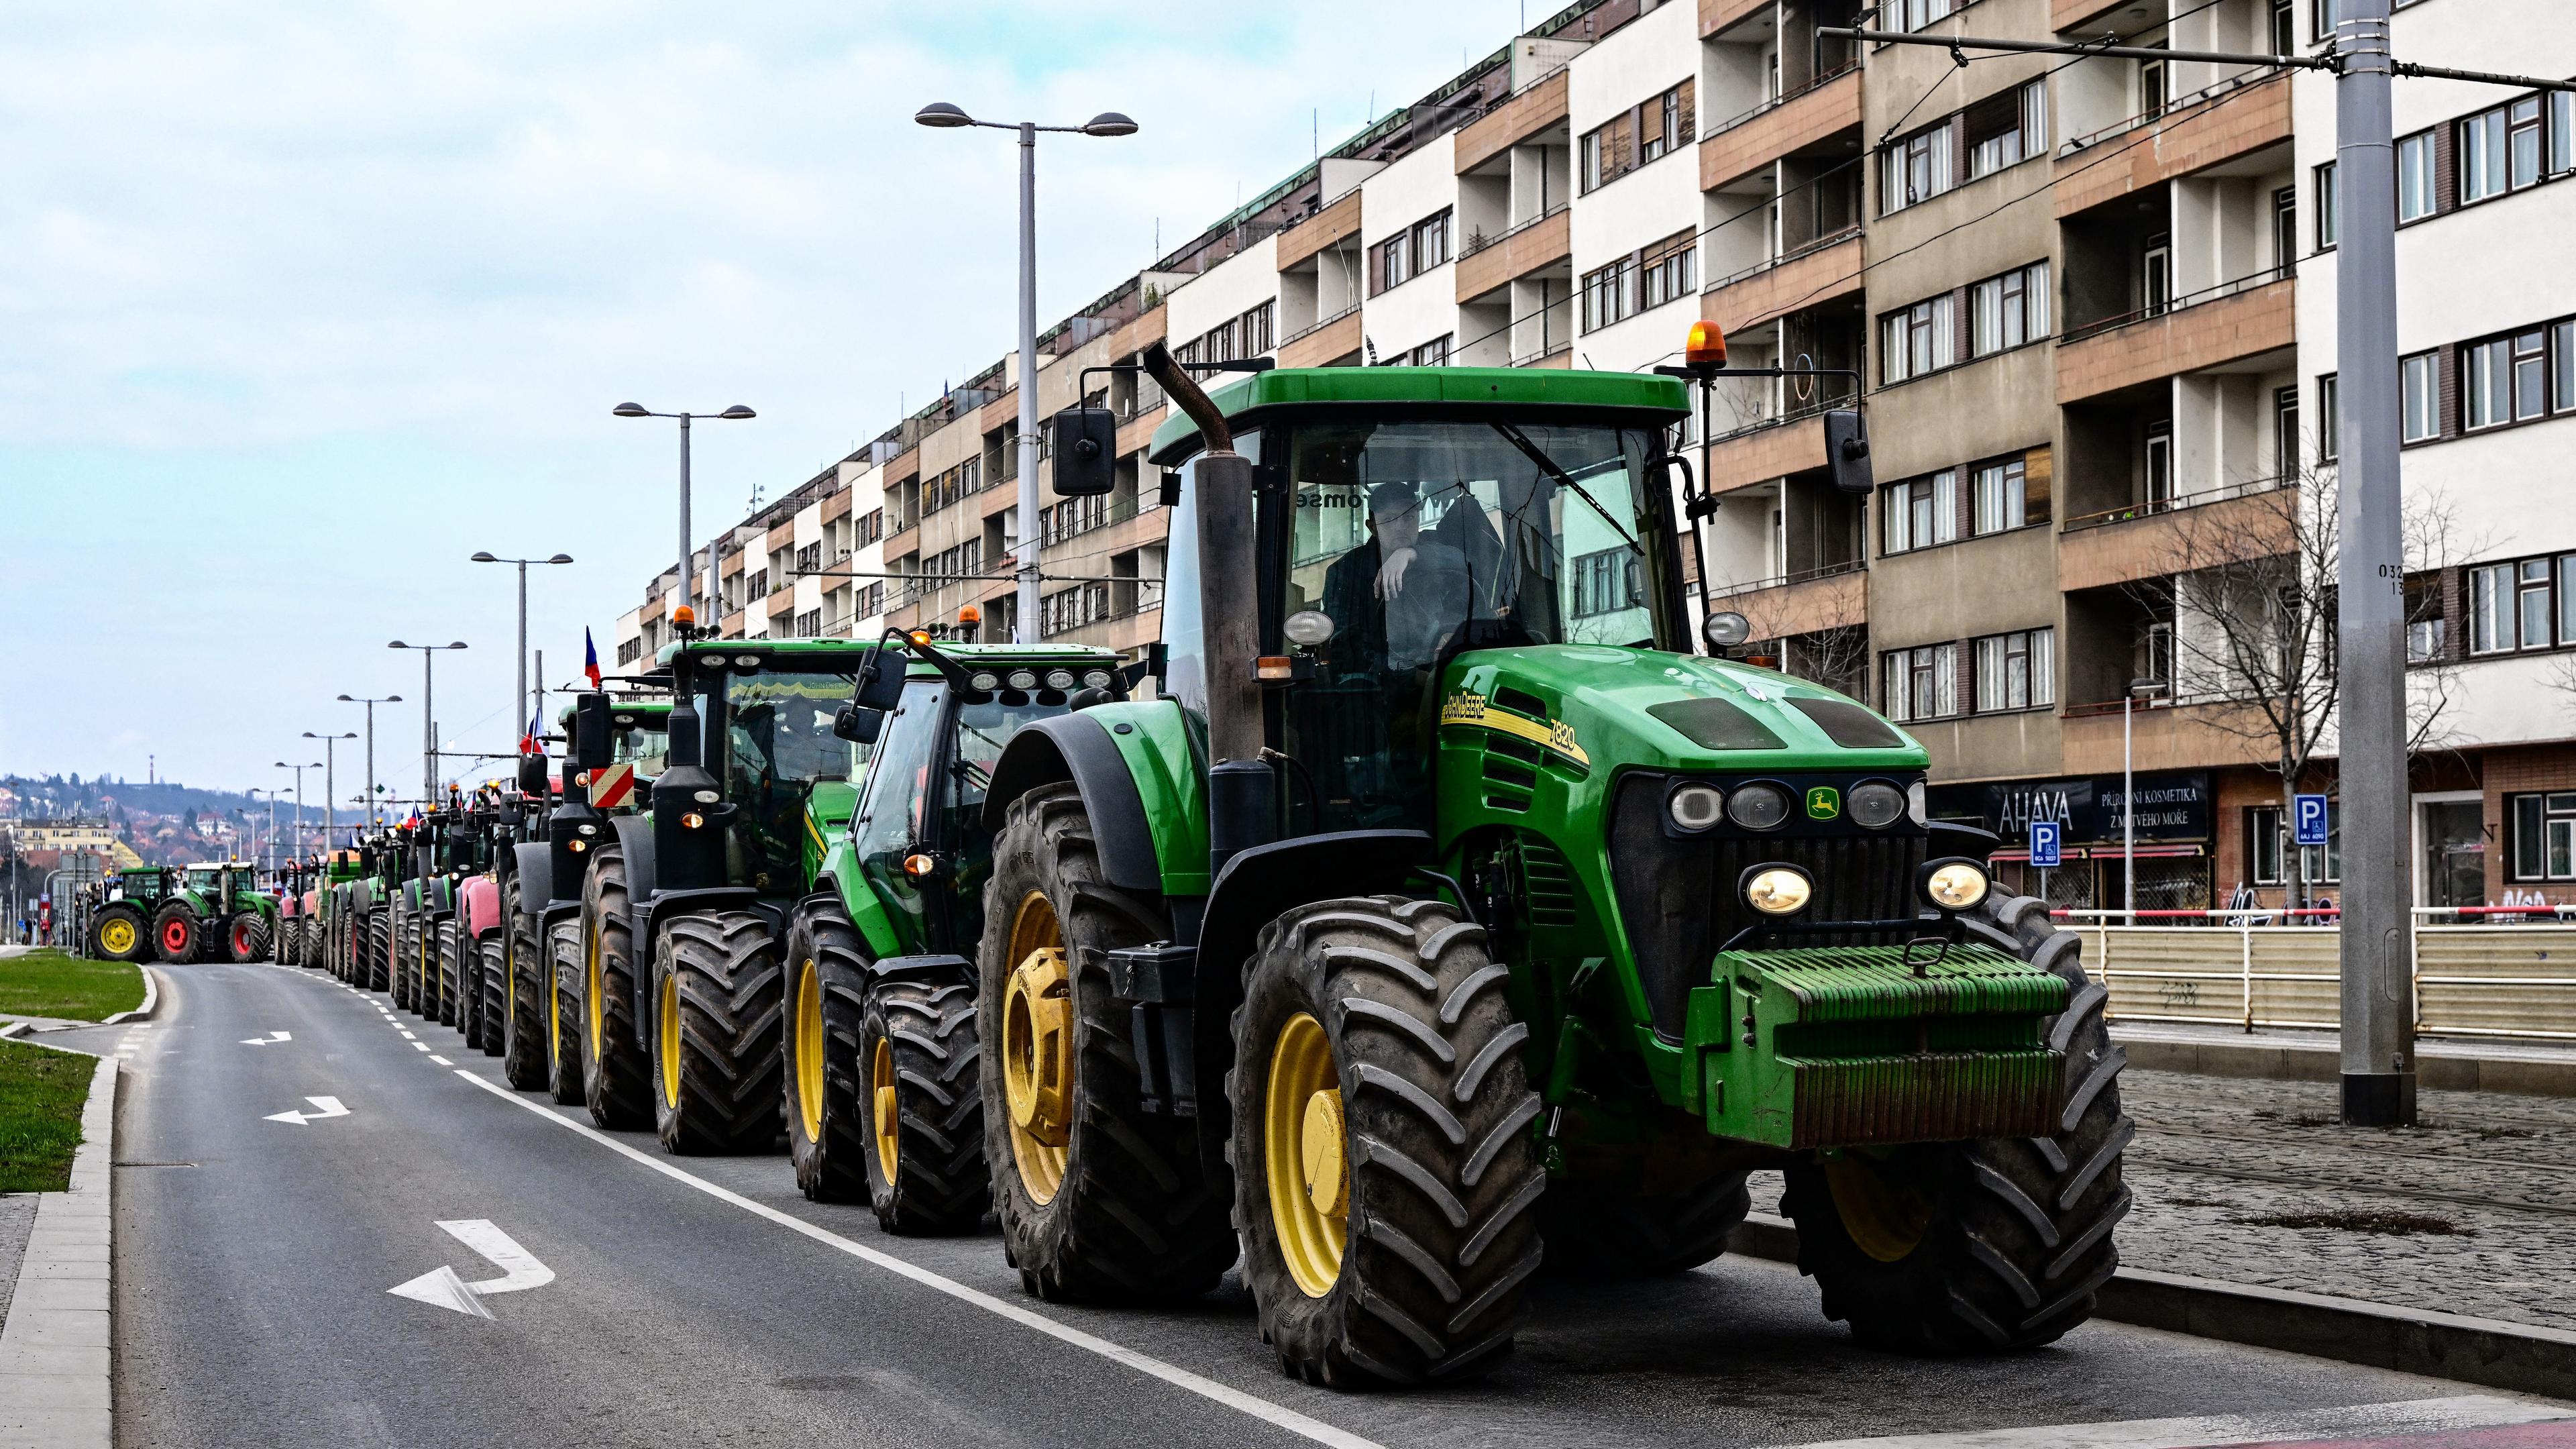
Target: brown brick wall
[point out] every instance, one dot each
(2150, 547)
(1516, 255)
(1740, 150)
(1533, 110)
(1717, 15)
(2516, 772)
(1819, 276)
(2254, 321)
(2212, 132)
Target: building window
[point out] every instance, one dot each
(1665, 124)
(809, 625)
(1606, 583)
(2329, 421)
(2416, 191)
(2267, 847)
(2284, 37)
(1609, 294)
(1920, 513)
(2500, 150)
(2285, 432)
(2329, 207)
(1662, 125)
(2322, 21)
(2016, 671)
(1256, 328)
(2004, 498)
(2009, 310)
(1918, 339)
(1434, 353)
(1915, 169)
(2562, 131)
(1915, 14)
(2159, 465)
(2527, 604)
(1430, 243)
(1669, 270)
(2006, 130)
(2419, 397)
(2544, 836)
(1922, 683)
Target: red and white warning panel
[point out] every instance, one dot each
(612, 785)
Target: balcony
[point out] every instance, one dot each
(2067, 14)
(1772, 448)
(2208, 329)
(1555, 354)
(1542, 241)
(1335, 223)
(2169, 536)
(1330, 340)
(1833, 597)
(1824, 269)
(2189, 736)
(1716, 16)
(1138, 431)
(1514, 121)
(1804, 117)
(2233, 118)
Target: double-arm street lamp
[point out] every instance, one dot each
(329, 762)
(732, 414)
(371, 704)
(525, 710)
(299, 801)
(428, 719)
(944, 116)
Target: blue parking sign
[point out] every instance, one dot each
(2308, 819)
(2043, 844)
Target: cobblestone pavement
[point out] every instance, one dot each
(2482, 1195)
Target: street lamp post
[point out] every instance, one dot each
(330, 760)
(732, 414)
(428, 719)
(299, 801)
(944, 116)
(521, 701)
(371, 743)
(2138, 689)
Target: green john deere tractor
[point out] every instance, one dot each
(216, 913)
(1448, 901)
(883, 1102)
(677, 980)
(121, 929)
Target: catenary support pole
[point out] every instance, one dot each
(519, 701)
(1024, 622)
(2378, 949)
(683, 601)
(428, 730)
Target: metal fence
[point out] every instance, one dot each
(2258, 969)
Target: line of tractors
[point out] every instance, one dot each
(214, 911)
(1428, 908)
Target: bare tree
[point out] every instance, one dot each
(1836, 656)
(2247, 588)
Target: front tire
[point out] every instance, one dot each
(565, 1078)
(716, 1013)
(1384, 1156)
(616, 1069)
(827, 1131)
(493, 1002)
(119, 934)
(1099, 1201)
(448, 970)
(924, 1105)
(247, 939)
(527, 977)
(1972, 1247)
(176, 934)
(377, 970)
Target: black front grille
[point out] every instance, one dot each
(1678, 899)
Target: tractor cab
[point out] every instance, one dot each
(783, 783)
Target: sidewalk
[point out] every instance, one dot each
(55, 1386)
(2520, 1067)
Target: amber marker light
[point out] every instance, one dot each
(1707, 345)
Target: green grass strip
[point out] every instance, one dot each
(47, 982)
(41, 1095)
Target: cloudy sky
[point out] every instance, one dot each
(301, 304)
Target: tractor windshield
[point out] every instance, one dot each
(646, 744)
(778, 727)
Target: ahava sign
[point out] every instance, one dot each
(2171, 806)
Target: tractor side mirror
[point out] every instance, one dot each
(590, 726)
(1847, 451)
(858, 726)
(880, 682)
(532, 775)
(1085, 442)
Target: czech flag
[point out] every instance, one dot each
(589, 657)
(528, 742)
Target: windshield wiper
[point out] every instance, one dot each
(1548, 465)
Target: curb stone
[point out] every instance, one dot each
(56, 1384)
(2437, 1069)
(151, 999)
(2519, 1356)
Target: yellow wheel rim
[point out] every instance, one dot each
(1305, 1148)
(670, 1034)
(809, 1050)
(590, 992)
(1884, 1214)
(889, 1131)
(554, 1021)
(1037, 1049)
(117, 936)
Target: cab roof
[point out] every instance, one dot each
(1512, 387)
(792, 650)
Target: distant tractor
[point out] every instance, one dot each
(217, 913)
(883, 1099)
(121, 929)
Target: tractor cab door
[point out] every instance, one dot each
(778, 741)
(891, 823)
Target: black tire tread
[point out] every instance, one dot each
(616, 1071)
(942, 1182)
(724, 965)
(833, 1166)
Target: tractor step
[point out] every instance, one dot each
(1847, 1046)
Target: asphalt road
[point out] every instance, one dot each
(702, 1302)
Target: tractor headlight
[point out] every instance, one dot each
(1778, 890)
(1954, 885)
(707, 797)
(1758, 807)
(1059, 679)
(1876, 804)
(984, 683)
(1098, 679)
(1695, 807)
(1024, 679)
(1914, 804)
(589, 829)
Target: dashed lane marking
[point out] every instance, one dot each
(442, 1061)
(1251, 1405)
(2453, 1423)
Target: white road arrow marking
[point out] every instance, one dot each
(272, 1039)
(442, 1288)
(330, 1107)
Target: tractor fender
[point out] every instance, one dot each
(482, 905)
(536, 866)
(635, 839)
(1256, 887)
(1080, 748)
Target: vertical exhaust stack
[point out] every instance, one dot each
(686, 856)
(1240, 788)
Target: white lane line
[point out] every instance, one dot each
(419, 1046)
(444, 1062)
(406, 1034)
(330, 1107)
(2412, 1416)
(1259, 1408)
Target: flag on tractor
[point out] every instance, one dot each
(528, 742)
(589, 657)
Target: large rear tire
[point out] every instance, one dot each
(1099, 1200)
(377, 970)
(402, 982)
(616, 1070)
(827, 1133)
(527, 979)
(1972, 1247)
(120, 934)
(247, 938)
(564, 1074)
(176, 934)
(290, 940)
(493, 1002)
(717, 1010)
(1384, 1158)
(448, 966)
(924, 1104)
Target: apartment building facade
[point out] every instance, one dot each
(2085, 305)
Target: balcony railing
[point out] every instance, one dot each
(2183, 303)
(1801, 576)
(1319, 326)
(2176, 503)
(2153, 114)
(1782, 99)
(1478, 241)
(1553, 349)
(1821, 402)
(1803, 249)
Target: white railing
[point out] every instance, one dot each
(2258, 968)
